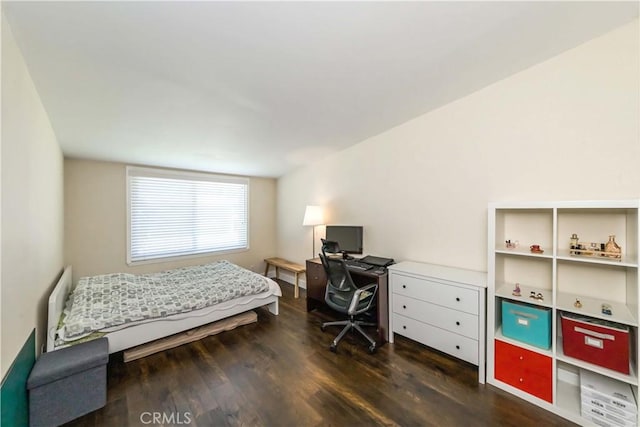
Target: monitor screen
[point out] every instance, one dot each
(349, 237)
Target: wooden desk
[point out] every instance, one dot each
(317, 284)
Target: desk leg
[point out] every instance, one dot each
(296, 290)
(312, 304)
(266, 270)
(383, 308)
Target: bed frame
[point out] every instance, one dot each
(145, 332)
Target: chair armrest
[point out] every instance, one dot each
(357, 297)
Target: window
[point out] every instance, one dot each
(174, 214)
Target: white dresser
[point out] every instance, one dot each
(440, 307)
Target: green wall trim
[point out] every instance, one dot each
(14, 401)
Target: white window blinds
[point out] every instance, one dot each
(173, 214)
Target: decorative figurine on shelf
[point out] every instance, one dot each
(574, 244)
(511, 245)
(612, 248)
(606, 309)
(537, 296)
(516, 290)
(577, 304)
(536, 249)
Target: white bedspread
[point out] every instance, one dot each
(105, 302)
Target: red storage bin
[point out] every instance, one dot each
(596, 341)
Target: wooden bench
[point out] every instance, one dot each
(285, 265)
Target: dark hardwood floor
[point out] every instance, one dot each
(280, 372)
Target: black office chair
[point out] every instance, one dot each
(345, 297)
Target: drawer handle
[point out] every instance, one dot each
(404, 327)
(404, 306)
(404, 286)
(457, 347)
(457, 323)
(521, 314)
(594, 334)
(521, 357)
(458, 299)
(521, 380)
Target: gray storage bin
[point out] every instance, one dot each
(68, 383)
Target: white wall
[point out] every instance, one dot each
(96, 218)
(565, 129)
(32, 205)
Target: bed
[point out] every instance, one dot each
(143, 321)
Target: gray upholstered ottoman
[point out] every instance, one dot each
(68, 383)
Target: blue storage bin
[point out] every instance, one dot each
(528, 323)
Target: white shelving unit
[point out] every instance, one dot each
(562, 278)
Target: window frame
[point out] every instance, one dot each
(132, 171)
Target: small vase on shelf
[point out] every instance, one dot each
(612, 249)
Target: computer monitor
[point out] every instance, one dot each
(349, 237)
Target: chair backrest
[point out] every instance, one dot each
(330, 246)
(337, 274)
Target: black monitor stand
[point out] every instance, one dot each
(346, 256)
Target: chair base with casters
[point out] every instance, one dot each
(349, 325)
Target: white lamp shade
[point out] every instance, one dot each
(313, 216)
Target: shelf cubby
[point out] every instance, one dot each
(529, 271)
(526, 226)
(505, 291)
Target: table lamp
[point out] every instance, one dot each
(313, 216)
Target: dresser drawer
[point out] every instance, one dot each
(450, 296)
(445, 318)
(456, 345)
(524, 369)
(512, 357)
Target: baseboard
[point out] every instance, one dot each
(290, 278)
(14, 400)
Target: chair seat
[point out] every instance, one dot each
(341, 304)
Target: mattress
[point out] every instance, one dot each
(106, 303)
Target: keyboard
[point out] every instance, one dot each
(377, 261)
(357, 265)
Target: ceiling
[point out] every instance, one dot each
(261, 88)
